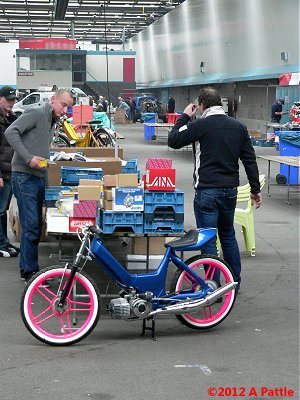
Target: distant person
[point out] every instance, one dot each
(219, 142)
(132, 105)
(123, 105)
(30, 136)
(276, 110)
(171, 105)
(54, 88)
(7, 117)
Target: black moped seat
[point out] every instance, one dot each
(189, 239)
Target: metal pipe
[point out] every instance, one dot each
(194, 305)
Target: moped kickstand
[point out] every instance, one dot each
(152, 328)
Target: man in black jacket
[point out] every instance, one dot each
(7, 101)
(219, 142)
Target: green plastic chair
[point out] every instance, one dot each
(245, 216)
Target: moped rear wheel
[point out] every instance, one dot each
(206, 267)
(46, 321)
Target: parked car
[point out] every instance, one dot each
(38, 98)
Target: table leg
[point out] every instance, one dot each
(269, 171)
(147, 255)
(288, 185)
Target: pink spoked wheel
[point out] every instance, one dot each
(216, 273)
(55, 325)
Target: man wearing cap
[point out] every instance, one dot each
(277, 112)
(7, 117)
(30, 136)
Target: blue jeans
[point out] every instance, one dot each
(29, 191)
(214, 208)
(5, 197)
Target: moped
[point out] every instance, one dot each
(61, 305)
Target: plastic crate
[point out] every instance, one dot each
(163, 226)
(168, 200)
(163, 215)
(130, 167)
(72, 175)
(52, 194)
(115, 221)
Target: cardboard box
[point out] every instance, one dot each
(138, 262)
(90, 151)
(108, 165)
(120, 117)
(107, 195)
(82, 114)
(158, 163)
(128, 199)
(107, 205)
(156, 245)
(89, 193)
(127, 180)
(85, 209)
(79, 223)
(110, 181)
(160, 179)
(90, 182)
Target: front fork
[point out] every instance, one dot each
(75, 267)
(205, 288)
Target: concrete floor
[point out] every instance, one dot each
(256, 346)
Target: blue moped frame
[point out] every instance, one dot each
(154, 281)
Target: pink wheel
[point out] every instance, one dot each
(207, 267)
(46, 321)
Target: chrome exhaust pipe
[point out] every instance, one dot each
(192, 306)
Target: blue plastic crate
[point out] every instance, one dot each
(115, 221)
(52, 194)
(130, 167)
(163, 226)
(72, 175)
(164, 200)
(163, 215)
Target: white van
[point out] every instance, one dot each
(39, 98)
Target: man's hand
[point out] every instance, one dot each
(257, 197)
(34, 162)
(1, 183)
(191, 110)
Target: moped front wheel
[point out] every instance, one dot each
(216, 273)
(55, 325)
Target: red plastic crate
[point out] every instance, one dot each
(160, 179)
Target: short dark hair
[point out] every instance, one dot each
(209, 97)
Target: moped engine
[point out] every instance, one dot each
(131, 306)
(119, 308)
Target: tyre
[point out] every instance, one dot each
(60, 140)
(205, 267)
(41, 315)
(103, 138)
(281, 179)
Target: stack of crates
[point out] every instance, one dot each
(52, 194)
(163, 212)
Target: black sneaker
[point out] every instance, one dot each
(27, 277)
(11, 246)
(7, 252)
